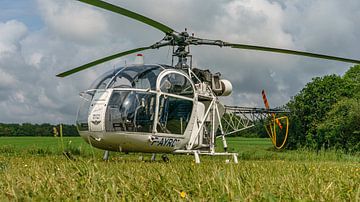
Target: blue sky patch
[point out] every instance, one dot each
(25, 11)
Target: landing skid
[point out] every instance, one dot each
(197, 154)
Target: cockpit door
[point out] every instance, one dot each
(96, 118)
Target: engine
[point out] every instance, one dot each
(220, 87)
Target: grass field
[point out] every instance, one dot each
(33, 168)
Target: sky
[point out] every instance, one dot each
(41, 38)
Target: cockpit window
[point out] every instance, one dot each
(103, 80)
(122, 80)
(176, 84)
(130, 111)
(174, 115)
(142, 77)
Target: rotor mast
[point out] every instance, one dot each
(182, 42)
(182, 51)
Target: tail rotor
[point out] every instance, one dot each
(277, 127)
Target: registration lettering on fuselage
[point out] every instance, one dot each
(164, 141)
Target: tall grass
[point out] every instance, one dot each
(45, 146)
(261, 175)
(55, 178)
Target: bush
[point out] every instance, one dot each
(326, 113)
(341, 129)
(310, 106)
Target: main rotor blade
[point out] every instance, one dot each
(291, 52)
(102, 60)
(130, 14)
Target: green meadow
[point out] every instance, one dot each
(34, 168)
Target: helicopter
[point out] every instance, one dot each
(157, 108)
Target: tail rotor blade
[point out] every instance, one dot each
(267, 106)
(266, 103)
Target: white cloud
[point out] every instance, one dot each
(18, 97)
(11, 32)
(35, 59)
(73, 20)
(6, 79)
(252, 21)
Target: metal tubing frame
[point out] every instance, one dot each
(193, 138)
(197, 154)
(213, 108)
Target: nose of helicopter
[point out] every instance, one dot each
(101, 141)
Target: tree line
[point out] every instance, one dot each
(28, 129)
(326, 113)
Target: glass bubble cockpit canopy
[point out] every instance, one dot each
(141, 77)
(132, 103)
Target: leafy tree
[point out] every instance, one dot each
(326, 114)
(352, 77)
(341, 128)
(310, 106)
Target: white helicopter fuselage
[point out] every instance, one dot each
(146, 108)
(127, 141)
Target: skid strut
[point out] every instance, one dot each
(197, 154)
